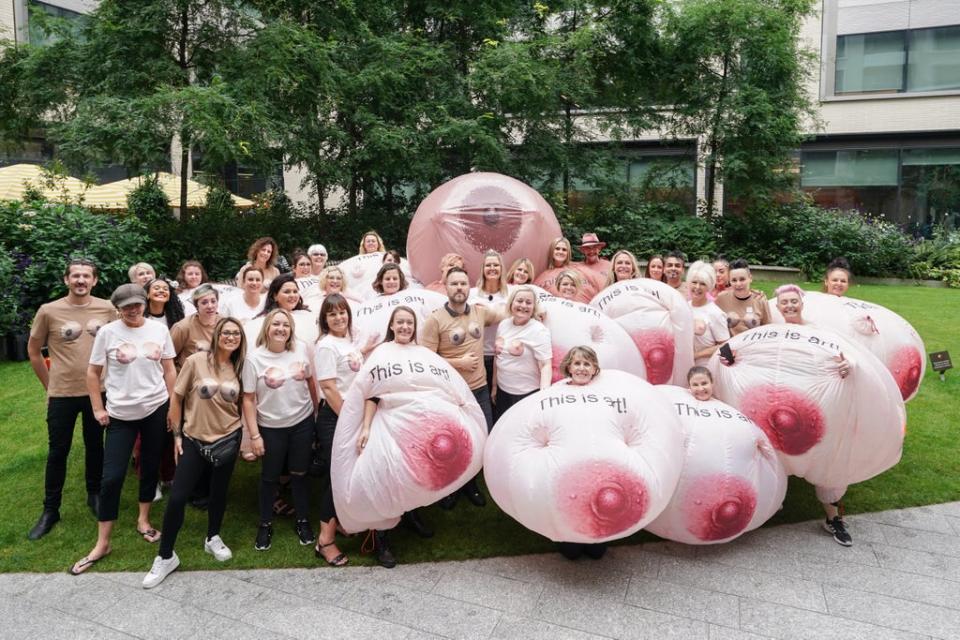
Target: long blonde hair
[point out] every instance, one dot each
(612, 277)
(513, 269)
(502, 284)
(553, 245)
(380, 245)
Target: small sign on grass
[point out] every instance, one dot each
(941, 362)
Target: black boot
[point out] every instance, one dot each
(472, 491)
(412, 520)
(44, 524)
(93, 501)
(384, 555)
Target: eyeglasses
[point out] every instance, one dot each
(231, 334)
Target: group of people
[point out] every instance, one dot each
(187, 379)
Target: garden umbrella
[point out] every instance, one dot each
(113, 195)
(14, 179)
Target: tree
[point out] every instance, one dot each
(736, 81)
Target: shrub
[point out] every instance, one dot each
(938, 258)
(8, 292)
(41, 237)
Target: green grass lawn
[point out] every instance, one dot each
(929, 473)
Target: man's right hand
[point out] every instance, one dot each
(470, 362)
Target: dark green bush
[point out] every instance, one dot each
(8, 292)
(938, 258)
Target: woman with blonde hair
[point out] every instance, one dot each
(523, 350)
(371, 242)
(569, 284)
(558, 263)
(490, 291)
(521, 272)
(624, 267)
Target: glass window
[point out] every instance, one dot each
(864, 180)
(870, 62)
(930, 192)
(41, 13)
(934, 60)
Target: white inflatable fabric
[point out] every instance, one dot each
(732, 480)
(573, 324)
(658, 320)
(360, 271)
(426, 439)
(370, 318)
(830, 430)
(586, 463)
(881, 331)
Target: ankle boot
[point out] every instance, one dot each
(384, 555)
(412, 520)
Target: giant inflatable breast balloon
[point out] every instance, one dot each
(476, 212)
(586, 463)
(426, 439)
(884, 333)
(360, 271)
(658, 320)
(573, 324)
(830, 430)
(370, 318)
(732, 481)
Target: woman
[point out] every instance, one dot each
(722, 268)
(581, 366)
(401, 330)
(318, 259)
(569, 285)
(332, 281)
(521, 272)
(790, 306)
(524, 352)
(263, 253)
(195, 333)
(206, 396)
(162, 306)
(141, 273)
(135, 360)
(447, 262)
(248, 302)
(285, 294)
(654, 268)
(709, 321)
(700, 383)
(837, 279)
(191, 275)
(391, 257)
(624, 267)
(337, 360)
(279, 404)
(745, 308)
(389, 280)
(302, 265)
(371, 242)
(490, 290)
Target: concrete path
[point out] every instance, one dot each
(901, 579)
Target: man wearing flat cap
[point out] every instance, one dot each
(590, 247)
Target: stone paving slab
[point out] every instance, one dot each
(900, 580)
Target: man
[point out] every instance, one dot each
(67, 327)
(590, 247)
(318, 259)
(455, 332)
(673, 271)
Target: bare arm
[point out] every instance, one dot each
(369, 410)
(36, 360)
(546, 373)
(332, 394)
(314, 397)
(170, 379)
(93, 390)
(250, 420)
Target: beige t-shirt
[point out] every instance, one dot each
(68, 331)
(211, 397)
(190, 336)
(454, 336)
(744, 314)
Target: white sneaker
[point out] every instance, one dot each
(215, 547)
(160, 570)
(158, 496)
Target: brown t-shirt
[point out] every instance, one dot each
(455, 335)
(744, 314)
(190, 336)
(211, 398)
(68, 332)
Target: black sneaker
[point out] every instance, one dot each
(304, 532)
(264, 536)
(839, 531)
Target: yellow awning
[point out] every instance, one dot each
(113, 195)
(13, 181)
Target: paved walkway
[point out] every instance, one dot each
(900, 580)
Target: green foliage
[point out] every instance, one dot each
(8, 292)
(149, 203)
(938, 258)
(40, 238)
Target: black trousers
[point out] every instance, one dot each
(506, 400)
(326, 427)
(121, 434)
(293, 447)
(61, 420)
(483, 399)
(191, 470)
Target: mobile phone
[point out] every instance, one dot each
(726, 352)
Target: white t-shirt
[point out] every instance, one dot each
(338, 358)
(234, 306)
(518, 369)
(281, 382)
(134, 374)
(488, 300)
(709, 328)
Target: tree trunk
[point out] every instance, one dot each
(184, 170)
(712, 150)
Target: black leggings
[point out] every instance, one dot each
(506, 400)
(326, 427)
(190, 470)
(121, 434)
(292, 446)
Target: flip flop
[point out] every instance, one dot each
(84, 563)
(150, 535)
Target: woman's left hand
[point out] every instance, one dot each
(844, 366)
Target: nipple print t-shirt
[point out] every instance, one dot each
(211, 395)
(134, 374)
(709, 328)
(338, 358)
(454, 336)
(744, 314)
(281, 382)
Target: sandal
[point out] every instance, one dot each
(85, 563)
(151, 535)
(338, 561)
(282, 508)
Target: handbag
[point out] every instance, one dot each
(221, 451)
